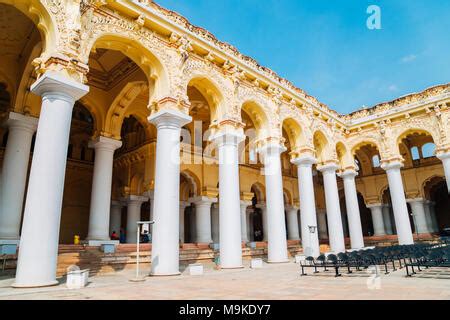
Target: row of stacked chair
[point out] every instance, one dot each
(418, 255)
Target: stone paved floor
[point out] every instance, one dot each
(273, 281)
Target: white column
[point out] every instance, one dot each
(116, 216)
(101, 187)
(399, 207)
(244, 226)
(183, 206)
(310, 241)
(215, 228)
(276, 225)
(36, 265)
(322, 222)
(250, 231)
(15, 170)
(203, 218)
(335, 229)
(433, 216)
(445, 158)
(263, 207)
(377, 218)
(229, 197)
(353, 214)
(418, 212)
(426, 207)
(292, 223)
(387, 219)
(134, 204)
(166, 211)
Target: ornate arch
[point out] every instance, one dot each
(48, 17)
(152, 55)
(260, 191)
(119, 107)
(217, 90)
(193, 180)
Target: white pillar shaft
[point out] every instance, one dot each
(377, 219)
(244, 226)
(433, 217)
(133, 216)
(166, 211)
(215, 223)
(115, 218)
(249, 226)
(99, 215)
(38, 251)
(387, 219)
(203, 222)
(276, 226)
(399, 207)
(292, 223)
(335, 229)
(310, 241)
(418, 211)
(428, 217)
(264, 222)
(183, 206)
(15, 170)
(322, 224)
(353, 214)
(229, 209)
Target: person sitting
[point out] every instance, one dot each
(114, 236)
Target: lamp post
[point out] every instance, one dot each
(145, 230)
(415, 225)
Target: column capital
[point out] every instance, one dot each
(270, 146)
(396, 164)
(18, 120)
(329, 167)
(169, 118)
(227, 137)
(54, 83)
(132, 199)
(202, 200)
(374, 205)
(304, 160)
(443, 155)
(184, 204)
(104, 143)
(413, 200)
(245, 203)
(348, 174)
(117, 203)
(291, 208)
(261, 205)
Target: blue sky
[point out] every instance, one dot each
(325, 48)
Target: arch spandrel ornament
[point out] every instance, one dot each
(218, 89)
(269, 122)
(159, 61)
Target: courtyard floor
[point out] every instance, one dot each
(273, 281)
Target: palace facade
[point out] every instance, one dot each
(120, 111)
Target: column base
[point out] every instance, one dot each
(35, 285)
(280, 261)
(99, 243)
(165, 274)
(232, 267)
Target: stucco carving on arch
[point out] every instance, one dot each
(289, 111)
(196, 68)
(130, 33)
(118, 109)
(245, 94)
